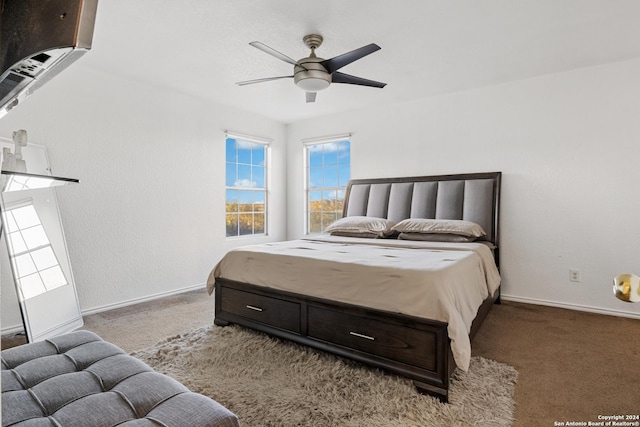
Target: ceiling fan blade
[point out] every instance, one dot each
(311, 96)
(271, 51)
(267, 79)
(339, 77)
(340, 61)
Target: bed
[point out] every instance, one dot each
(409, 305)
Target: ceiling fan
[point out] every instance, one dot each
(313, 74)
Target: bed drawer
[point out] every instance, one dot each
(397, 342)
(270, 311)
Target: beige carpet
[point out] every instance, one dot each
(272, 382)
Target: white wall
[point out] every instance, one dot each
(568, 146)
(148, 215)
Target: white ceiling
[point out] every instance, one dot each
(429, 47)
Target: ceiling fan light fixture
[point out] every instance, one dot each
(313, 84)
(313, 77)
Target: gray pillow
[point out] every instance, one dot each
(362, 226)
(362, 234)
(440, 226)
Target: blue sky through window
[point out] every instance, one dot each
(329, 164)
(245, 164)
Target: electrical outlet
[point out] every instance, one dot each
(574, 274)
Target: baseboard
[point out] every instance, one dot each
(19, 328)
(11, 330)
(147, 298)
(577, 307)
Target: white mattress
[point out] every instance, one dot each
(440, 281)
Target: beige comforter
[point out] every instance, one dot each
(439, 281)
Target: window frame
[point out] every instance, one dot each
(15, 234)
(266, 144)
(308, 144)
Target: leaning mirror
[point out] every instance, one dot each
(35, 241)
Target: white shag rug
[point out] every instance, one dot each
(267, 381)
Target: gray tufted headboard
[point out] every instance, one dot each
(471, 197)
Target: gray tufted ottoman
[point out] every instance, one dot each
(79, 380)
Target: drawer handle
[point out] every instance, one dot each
(250, 307)
(362, 336)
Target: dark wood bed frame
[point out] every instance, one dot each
(409, 346)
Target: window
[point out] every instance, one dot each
(246, 186)
(328, 169)
(36, 266)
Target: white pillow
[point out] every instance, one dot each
(440, 226)
(363, 226)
